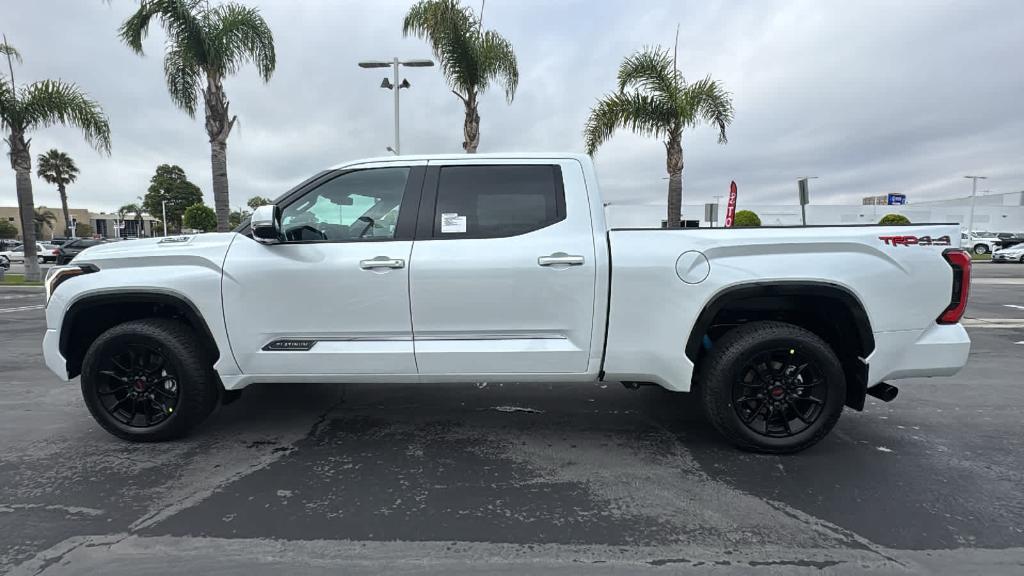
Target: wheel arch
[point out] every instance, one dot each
(822, 307)
(93, 314)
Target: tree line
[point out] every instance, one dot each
(205, 44)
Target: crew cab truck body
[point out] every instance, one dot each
(500, 268)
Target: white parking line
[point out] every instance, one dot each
(1017, 306)
(20, 309)
(993, 322)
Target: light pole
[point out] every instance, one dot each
(395, 86)
(163, 206)
(974, 195)
(805, 196)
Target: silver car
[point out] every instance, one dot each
(1014, 253)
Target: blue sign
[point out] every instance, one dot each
(897, 199)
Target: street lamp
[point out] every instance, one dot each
(805, 196)
(974, 195)
(396, 86)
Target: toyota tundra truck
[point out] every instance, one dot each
(435, 269)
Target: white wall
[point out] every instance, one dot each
(989, 217)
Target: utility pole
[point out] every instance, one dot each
(974, 196)
(396, 86)
(805, 196)
(163, 205)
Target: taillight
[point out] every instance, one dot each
(54, 252)
(960, 262)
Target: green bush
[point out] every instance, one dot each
(83, 230)
(8, 230)
(200, 217)
(894, 219)
(745, 218)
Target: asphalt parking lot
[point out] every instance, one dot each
(510, 479)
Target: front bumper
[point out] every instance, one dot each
(1005, 258)
(52, 356)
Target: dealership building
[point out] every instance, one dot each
(992, 212)
(104, 225)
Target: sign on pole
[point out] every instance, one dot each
(730, 211)
(711, 212)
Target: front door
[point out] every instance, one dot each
(503, 271)
(333, 297)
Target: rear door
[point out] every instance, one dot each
(503, 268)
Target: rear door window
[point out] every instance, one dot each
(497, 201)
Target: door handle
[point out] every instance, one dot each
(560, 258)
(381, 262)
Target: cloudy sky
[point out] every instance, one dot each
(872, 97)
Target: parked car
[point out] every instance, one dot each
(1011, 254)
(511, 279)
(5, 262)
(58, 241)
(69, 250)
(1009, 239)
(980, 242)
(44, 253)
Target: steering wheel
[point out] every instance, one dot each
(370, 223)
(293, 233)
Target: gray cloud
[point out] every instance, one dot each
(873, 97)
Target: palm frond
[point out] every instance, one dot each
(183, 75)
(650, 70)
(641, 113)
(9, 109)
(10, 51)
(239, 34)
(452, 32)
(51, 102)
(178, 18)
(498, 61)
(707, 101)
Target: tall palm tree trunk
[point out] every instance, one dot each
(21, 162)
(218, 127)
(471, 125)
(64, 204)
(674, 164)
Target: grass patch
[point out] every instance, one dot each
(981, 256)
(17, 280)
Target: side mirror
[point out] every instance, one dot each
(266, 224)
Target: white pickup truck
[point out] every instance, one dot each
(500, 268)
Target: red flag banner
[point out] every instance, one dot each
(730, 211)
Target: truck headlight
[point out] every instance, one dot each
(56, 276)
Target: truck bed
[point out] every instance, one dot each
(663, 279)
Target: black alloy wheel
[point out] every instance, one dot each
(149, 380)
(136, 389)
(779, 393)
(772, 387)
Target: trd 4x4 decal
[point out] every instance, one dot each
(914, 240)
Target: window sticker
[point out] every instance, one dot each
(452, 223)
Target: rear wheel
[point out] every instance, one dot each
(980, 249)
(147, 381)
(773, 387)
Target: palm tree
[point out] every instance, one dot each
(132, 208)
(471, 57)
(206, 43)
(653, 99)
(58, 168)
(41, 217)
(38, 105)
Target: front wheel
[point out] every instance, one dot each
(41, 260)
(772, 387)
(148, 381)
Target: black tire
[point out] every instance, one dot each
(980, 249)
(744, 362)
(178, 398)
